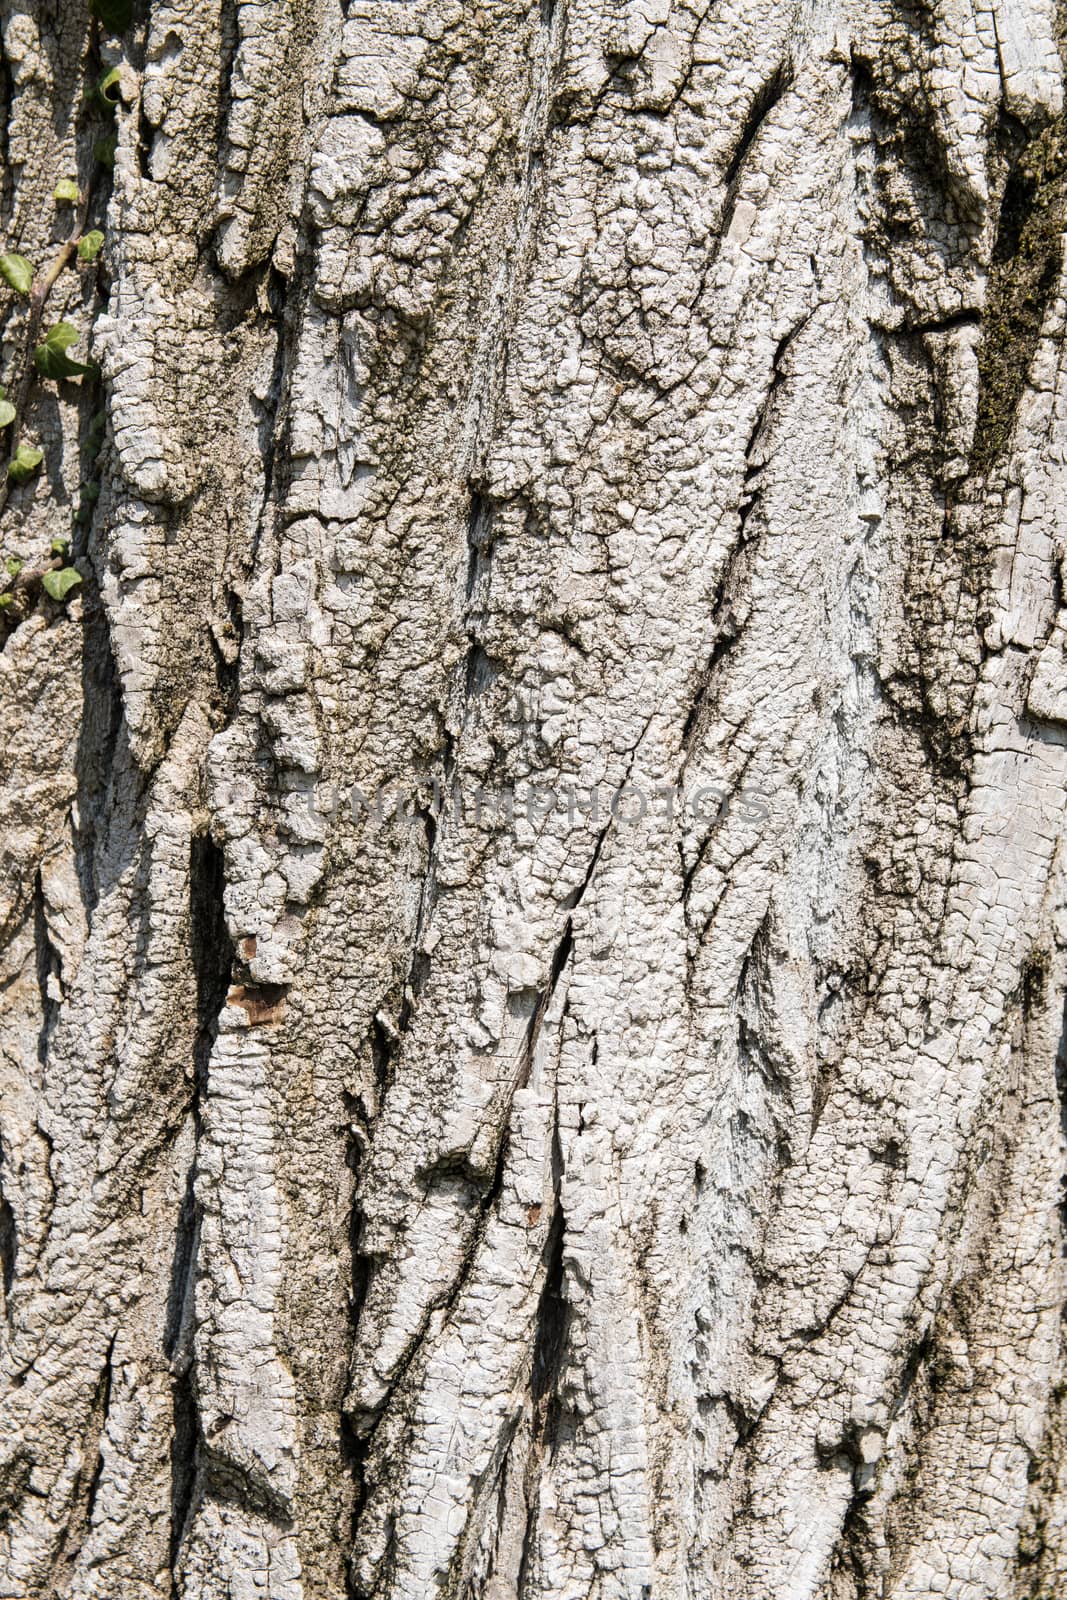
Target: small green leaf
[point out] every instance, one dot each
(90, 245)
(66, 192)
(60, 547)
(104, 150)
(5, 601)
(61, 335)
(110, 88)
(7, 413)
(16, 272)
(59, 584)
(26, 462)
(116, 15)
(50, 357)
(13, 566)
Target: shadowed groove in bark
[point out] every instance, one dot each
(212, 953)
(764, 102)
(90, 1470)
(479, 537)
(549, 1353)
(211, 947)
(1061, 1090)
(186, 1436)
(48, 969)
(355, 1446)
(550, 1338)
(7, 177)
(8, 1235)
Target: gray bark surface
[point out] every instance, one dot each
(507, 399)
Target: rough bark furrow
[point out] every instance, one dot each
(631, 1166)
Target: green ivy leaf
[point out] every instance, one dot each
(90, 245)
(104, 150)
(60, 547)
(25, 464)
(116, 15)
(59, 584)
(5, 601)
(66, 192)
(7, 413)
(13, 566)
(51, 359)
(109, 88)
(16, 272)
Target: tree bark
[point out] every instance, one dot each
(625, 1158)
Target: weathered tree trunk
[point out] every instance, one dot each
(530, 1189)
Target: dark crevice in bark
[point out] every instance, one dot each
(384, 1043)
(8, 1237)
(479, 538)
(725, 640)
(1061, 1091)
(15, 1472)
(228, 661)
(212, 957)
(229, 39)
(762, 105)
(480, 672)
(101, 1406)
(177, 1346)
(549, 1354)
(419, 968)
(146, 134)
(355, 1446)
(211, 948)
(267, 412)
(725, 799)
(574, 899)
(479, 669)
(7, 175)
(862, 75)
(49, 967)
(550, 1337)
(559, 961)
(108, 780)
(87, 1482)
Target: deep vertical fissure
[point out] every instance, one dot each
(212, 958)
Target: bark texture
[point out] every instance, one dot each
(565, 1206)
